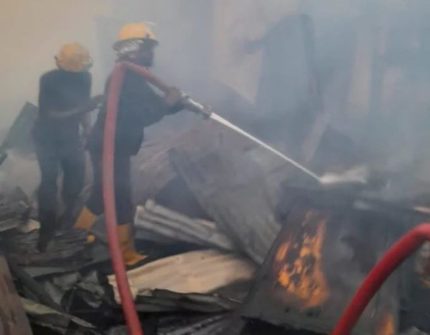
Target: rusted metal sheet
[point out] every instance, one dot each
(13, 320)
(322, 254)
(211, 325)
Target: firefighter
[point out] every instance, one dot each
(57, 140)
(139, 107)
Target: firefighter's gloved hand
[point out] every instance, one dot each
(196, 107)
(174, 97)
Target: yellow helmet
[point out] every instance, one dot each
(73, 57)
(134, 31)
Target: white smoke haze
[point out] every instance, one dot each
(372, 60)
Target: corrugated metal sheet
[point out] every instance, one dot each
(14, 209)
(413, 331)
(235, 196)
(50, 318)
(203, 326)
(165, 301)
(154, 168)
(162, 224)
(191, 272)
(229, 186)
(68, 246)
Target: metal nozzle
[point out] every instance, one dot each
(196, 107)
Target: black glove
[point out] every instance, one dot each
(174, 97)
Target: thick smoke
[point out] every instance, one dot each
(369, 61)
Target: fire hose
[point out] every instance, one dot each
(127, 302)
(401, 250)
(393, 258)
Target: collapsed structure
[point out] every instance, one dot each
(238, 241)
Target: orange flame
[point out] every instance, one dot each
(302, 275)
(387, 326)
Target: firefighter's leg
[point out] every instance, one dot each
(47, 193)
(125, 211)
(94, 205)
(73, 165)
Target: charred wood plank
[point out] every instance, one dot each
(317, 262)
(32, 285)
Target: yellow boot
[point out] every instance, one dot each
(86, 221)
(126, 241)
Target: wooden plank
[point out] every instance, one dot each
(13, 320)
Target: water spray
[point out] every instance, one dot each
(198, 108)
(194, 106)
(356, 175)
(289, 160)
(128, 306)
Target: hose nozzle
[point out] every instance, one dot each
(196, 107)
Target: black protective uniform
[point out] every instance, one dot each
(58, 143)
(139, 107)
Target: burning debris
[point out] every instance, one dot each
(239, 237)
(298, 263)
(69, 287)
(201, 276)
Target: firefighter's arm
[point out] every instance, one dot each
(45, 91)
(91, 105)
(157, 106)
(86, 125)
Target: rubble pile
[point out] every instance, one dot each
(201, 263)
(206, 243)
(209, 209)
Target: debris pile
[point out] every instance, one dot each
(205, 252)
(200, 267)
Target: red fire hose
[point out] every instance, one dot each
(128, 306)
(391, 260)
(129, 309)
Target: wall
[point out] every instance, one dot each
(32, 33)
(238, 22)
(235, 24)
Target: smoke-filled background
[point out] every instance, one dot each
(362, 64)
